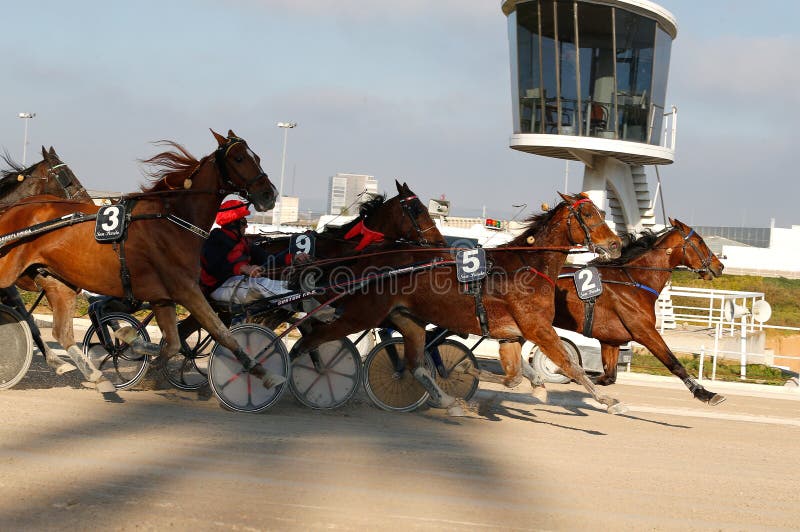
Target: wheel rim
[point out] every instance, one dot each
(387, 389)
(117, 361)
(237, 389)
(337, 381)
(17, 342)
(457, 383)
(188, 370)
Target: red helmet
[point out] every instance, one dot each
(230, 211)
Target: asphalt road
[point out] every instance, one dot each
(170, 460)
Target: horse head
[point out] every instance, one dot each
(586, 226)
(696, 254)
(48, 176)
(241, 172)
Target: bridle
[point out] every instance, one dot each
(705, 260)
(574, 210)
(413, 210)
(64, 179)
(220, 155)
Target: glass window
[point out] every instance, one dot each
(597, 69)
(531, 91)
(635, 40)
(660, 75)
(567, 69)
(549, 70)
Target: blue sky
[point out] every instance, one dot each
(407, 89)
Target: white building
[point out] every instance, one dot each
(780, 259)
(286, 209)
(345, 189)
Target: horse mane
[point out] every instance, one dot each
(8, 176)
(172, 165)
(535, 223)
(634, 246)
(365, 210)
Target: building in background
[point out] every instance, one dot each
(288, 209)
(345, 189)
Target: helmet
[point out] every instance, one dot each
(231, 211)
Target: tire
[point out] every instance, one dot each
(545, 367)
(461, 385)
(188, 370)
(335, 384)
(117, 362)
(236, 389)
(17, 342)
(388, 389)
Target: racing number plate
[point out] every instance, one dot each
(470, 264)
(302, 243)
(110, 225)
(588, 282)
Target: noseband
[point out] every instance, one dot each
(220, 155)
(705, 260)
(574, 210)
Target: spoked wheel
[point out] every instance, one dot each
(327, 377)
(188, 370)
(17, 342)
(236, 389)
(114, 358)
(455, 383)
(389, 382)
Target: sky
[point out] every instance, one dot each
(399, 89)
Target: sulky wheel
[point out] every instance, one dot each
(545, 367)
(236, 389)
(454, 383)
(113, 357)
(327, 377)
(188, 370)
(17, 342)
(387, 380)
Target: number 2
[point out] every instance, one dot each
(587, 280)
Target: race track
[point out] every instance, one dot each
(169, 460)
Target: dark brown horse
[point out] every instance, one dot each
(163, 241)
(625, 311)
(49, 176)
(518, 294)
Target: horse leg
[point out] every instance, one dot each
(610, 355)
(549, 342)
(414, 349)
(64, 298)
(656, 345)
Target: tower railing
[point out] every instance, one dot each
(670, 129)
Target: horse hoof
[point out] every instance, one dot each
(716, 399)
(461, 408)
(105, 386)
(62, 367)
(540, 393)
(126, 334)
(617, 409)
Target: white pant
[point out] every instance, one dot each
(244, 289)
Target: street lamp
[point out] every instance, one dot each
(286, 127)
(26, 117)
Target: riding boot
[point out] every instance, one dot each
(139, 347)
(322, 313)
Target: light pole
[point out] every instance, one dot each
(26, 117)
(286, 127)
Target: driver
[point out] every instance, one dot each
(228, 258)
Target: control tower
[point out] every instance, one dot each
(589, 83)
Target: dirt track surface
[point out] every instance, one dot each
(169, 460)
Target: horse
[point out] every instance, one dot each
(625, 310)
(381, 224)
(49, 176)
(518, 295)
(158, 259)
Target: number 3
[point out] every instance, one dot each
(112, 214)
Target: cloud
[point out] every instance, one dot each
(384, 9)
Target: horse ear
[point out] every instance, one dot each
(53, 152)
(44, 153)
(231, 134)
(583, 195)
(672, 221)
(220, 139)
(565, 197)
(397, 184)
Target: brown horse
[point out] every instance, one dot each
(49, 176)
(159, 260)
(625, 311)
(518, 294)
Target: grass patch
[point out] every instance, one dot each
(727, 370)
